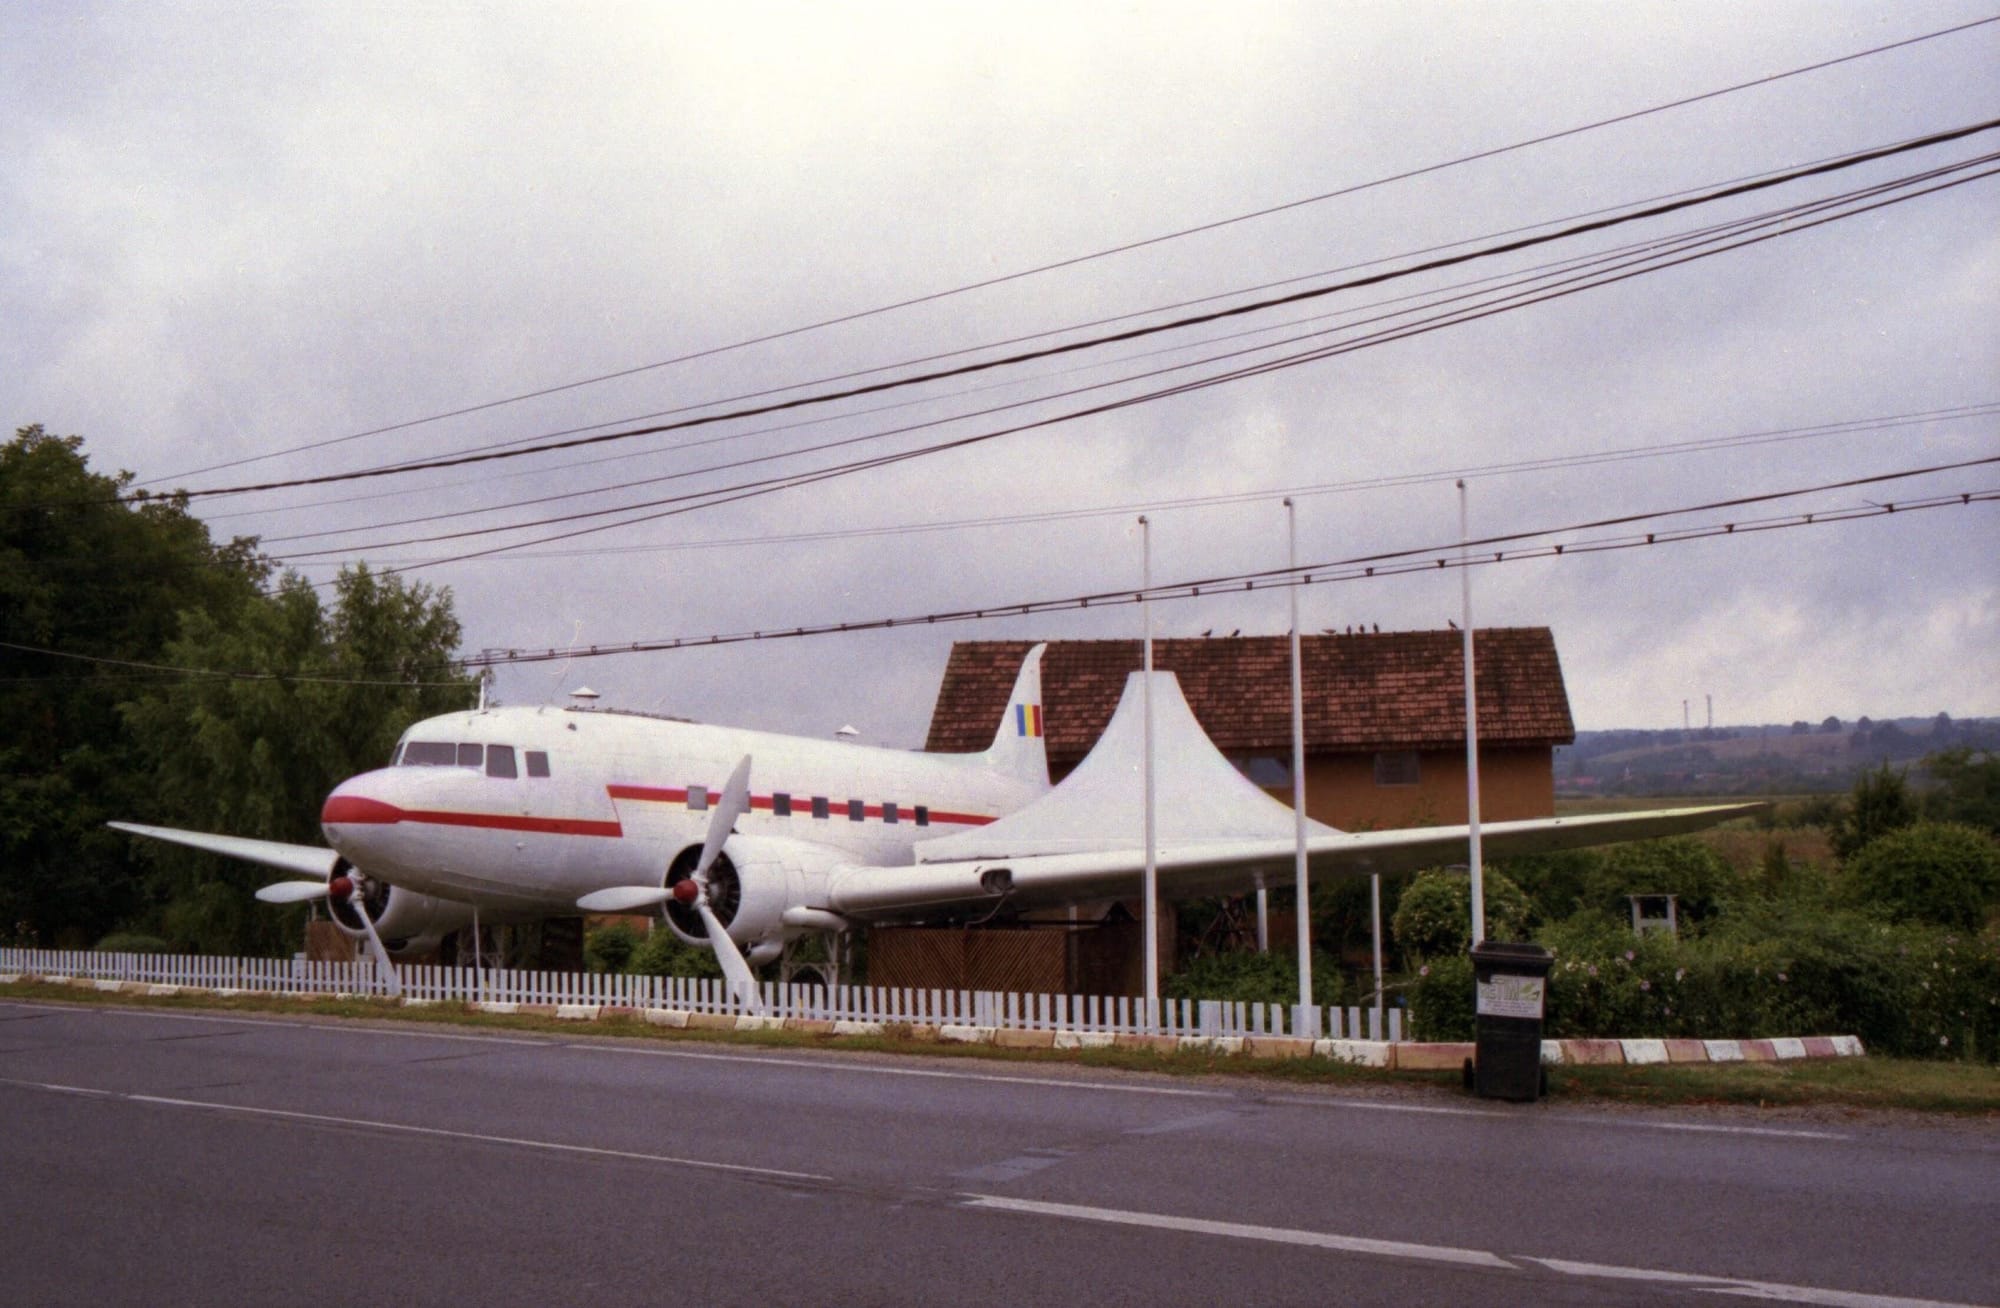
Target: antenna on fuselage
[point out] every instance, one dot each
(848, 732)
(584, 697)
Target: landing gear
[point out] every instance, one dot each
(816, 958)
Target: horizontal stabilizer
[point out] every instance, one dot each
(301, 860)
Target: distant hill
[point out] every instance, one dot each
(1768, 758)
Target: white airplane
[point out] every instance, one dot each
(747, 840)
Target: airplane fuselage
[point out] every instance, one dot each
(524, 810)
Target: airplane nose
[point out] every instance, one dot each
(357, 803)
(352, 804)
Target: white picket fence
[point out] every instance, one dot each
(1104, 1014)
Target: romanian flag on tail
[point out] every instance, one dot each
(1028, 719)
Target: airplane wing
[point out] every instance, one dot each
(1215, 832)
(1220, 867)
(301, 860)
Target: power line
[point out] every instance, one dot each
(1216, 315)
(1368, 567)
(1076, 260)
(1587, 458)
(689, 502)
(1513, 546)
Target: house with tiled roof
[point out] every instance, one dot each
(1384, 714)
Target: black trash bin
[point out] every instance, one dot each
(1512, 986)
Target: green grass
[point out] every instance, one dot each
(1963, 1089)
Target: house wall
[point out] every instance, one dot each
(1514, 782)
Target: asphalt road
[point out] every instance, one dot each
(152, 1158)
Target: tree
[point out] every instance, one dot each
(104, 583)
(256, 756)
(1967, 788)
(1942, 872)
(1880, 804)
(1831, 725)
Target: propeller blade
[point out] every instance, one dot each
(735, 800)
(620, 899)
(742, 981)
(292, 892)
(383, 967)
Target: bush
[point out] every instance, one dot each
(1683, 867)
(1909, 990)
(610, 947)
(1434, 918)
(1246, 976)
(1942, 872)
(1556, 884)
(665, 954)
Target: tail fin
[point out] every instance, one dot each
(1018, 748)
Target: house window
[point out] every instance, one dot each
(820, 809)
(856, 810)
(781, 805)
(697, 799)
(889, 813)
(538, 763)
(1396, 767)
(500, 761)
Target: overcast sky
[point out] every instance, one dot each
(230, 231)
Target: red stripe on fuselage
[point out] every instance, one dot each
(801, 805)
(355, 810)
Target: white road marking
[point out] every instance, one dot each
(933, 1073)
(1438, 1253)
(435, 1132)
(1579, 1119)
(1432, 1253)
(1742, 1288)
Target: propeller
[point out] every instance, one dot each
(344, 888)
(734, 802)
(339, 888)
(692, 892)
(292, 892)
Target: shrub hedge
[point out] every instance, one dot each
(1908, 989)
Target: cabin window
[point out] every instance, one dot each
(856, 810)
(1396, 767)
(923, 816)
(697, 799)
(820, 809)
(538, 763)
(781, 805)
(468, 755)
(889, 813)
(500, 761)
(430, 754)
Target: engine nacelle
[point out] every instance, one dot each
(409, 923)
(750, 885)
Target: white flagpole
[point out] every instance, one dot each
(1471, 722)
(1298, 775)
(1152, 909)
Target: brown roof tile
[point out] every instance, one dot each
(1400, 689)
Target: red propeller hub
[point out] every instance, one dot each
(339, 888)
(686, 892)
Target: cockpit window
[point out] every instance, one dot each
(468, 755)
(538, 763)
(430, 753)
(500, 761)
